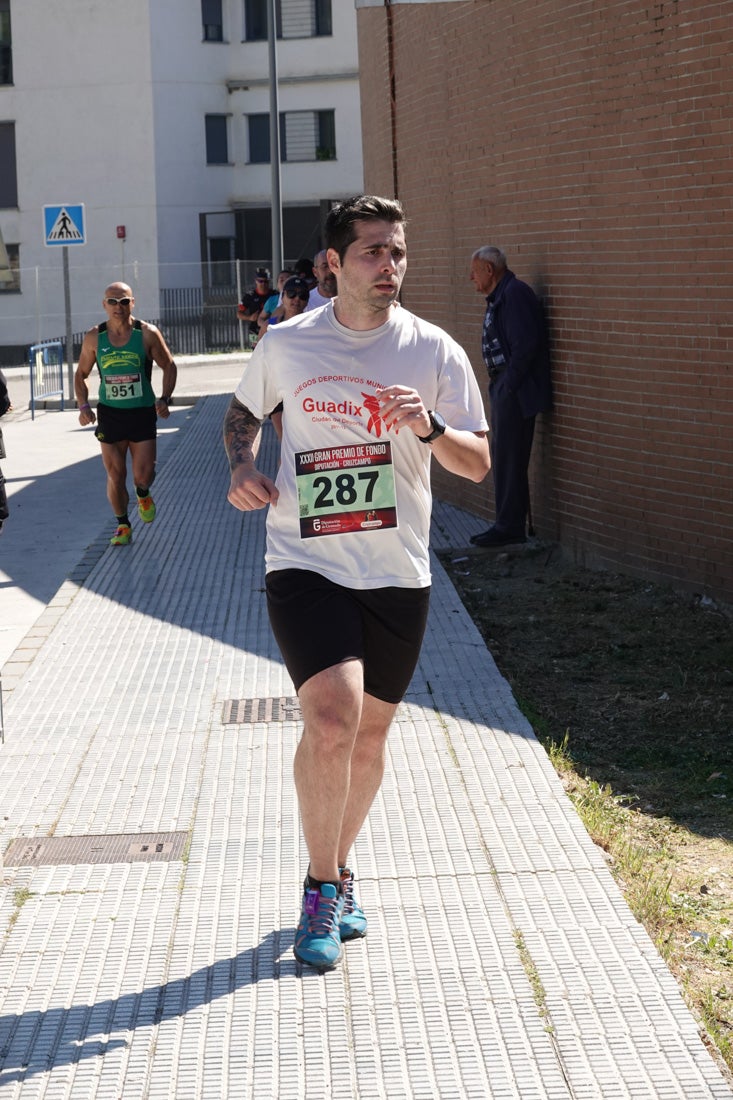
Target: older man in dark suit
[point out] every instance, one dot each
(515, 349)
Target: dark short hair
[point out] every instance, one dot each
(294, 284)
(339, 229)
(304, 267)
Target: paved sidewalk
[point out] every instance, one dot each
(57, 495)
(150, 893)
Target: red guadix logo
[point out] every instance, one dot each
(370, 409)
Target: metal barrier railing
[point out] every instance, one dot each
(47, 372)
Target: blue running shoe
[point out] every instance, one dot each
(353, 921)
(317, 939)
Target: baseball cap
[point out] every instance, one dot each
(262, 273)
(295, 284)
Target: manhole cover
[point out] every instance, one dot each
(51, 851)
(238, 712)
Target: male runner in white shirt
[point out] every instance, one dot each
(370, 393)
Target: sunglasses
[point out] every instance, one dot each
(298, 294)
(118, 301)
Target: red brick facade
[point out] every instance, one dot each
(594, 143)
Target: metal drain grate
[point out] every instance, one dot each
(238, 712)
(51, 851)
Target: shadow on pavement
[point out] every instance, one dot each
(33, 1042)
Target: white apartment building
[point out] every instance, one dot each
(151, 120)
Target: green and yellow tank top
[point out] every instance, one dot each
(124, 372)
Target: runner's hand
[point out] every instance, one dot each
(402, 407)
(250, 490)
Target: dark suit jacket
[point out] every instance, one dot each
(521, 331)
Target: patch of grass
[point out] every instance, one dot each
(538, 990)
(688, 922)
(20, 897)
(629, 686)
(559, 754)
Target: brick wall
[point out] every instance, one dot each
(594, 143)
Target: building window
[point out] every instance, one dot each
(8, 175)
(259, 139)
(212, 21)
(6, 44)
(301, 232)
(322, 18)
(221, 261)
(10, 281)
(309, 135)
(304, 136)
(255, 20)
(217, 145)
(294, 19)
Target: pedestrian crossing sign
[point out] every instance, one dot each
(64, 224)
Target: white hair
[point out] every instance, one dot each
(490, 254)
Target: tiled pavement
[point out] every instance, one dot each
(501, 960)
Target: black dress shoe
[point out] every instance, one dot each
(492, 537)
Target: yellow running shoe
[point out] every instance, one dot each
(146, 508)
(122, 536)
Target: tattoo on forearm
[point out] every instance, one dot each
(241, 434)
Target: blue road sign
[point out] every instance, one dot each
(64, 224)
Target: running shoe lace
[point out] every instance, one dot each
(347, 889)
(321, 912)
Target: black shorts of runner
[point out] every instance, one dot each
(125, 425)
(318, 624)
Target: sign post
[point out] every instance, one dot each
(67, 312)
(63, 226)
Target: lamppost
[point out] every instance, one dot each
(276, 197)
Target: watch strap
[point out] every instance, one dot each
(438, 429)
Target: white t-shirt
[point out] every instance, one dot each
(315, 300)
(355, 495)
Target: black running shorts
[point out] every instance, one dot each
(318, 624)
(125, 425)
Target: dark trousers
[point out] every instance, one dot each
(510, 443)
(4, 513)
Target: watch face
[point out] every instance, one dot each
(438, 421)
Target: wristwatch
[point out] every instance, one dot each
(439, 426)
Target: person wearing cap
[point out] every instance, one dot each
(253, 302)
(273, 305)
(294, 302)
(295, 294)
